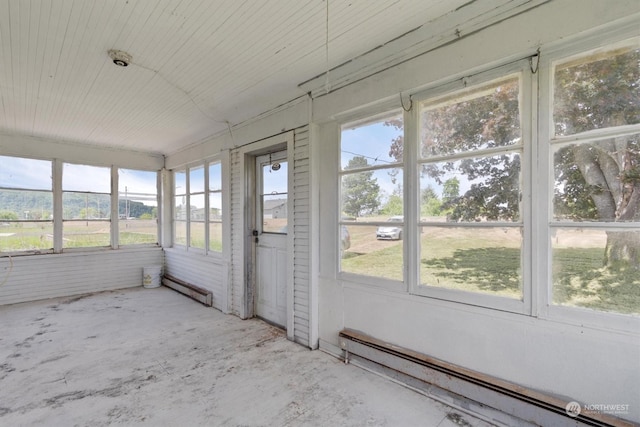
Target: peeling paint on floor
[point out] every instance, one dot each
(153, 357)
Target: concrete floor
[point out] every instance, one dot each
(154, 357)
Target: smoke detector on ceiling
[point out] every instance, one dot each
(120, 58)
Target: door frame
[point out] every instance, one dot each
(248, 154)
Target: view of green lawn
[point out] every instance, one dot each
(488, 261)
(29, 236)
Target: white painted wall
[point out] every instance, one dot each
(34, 277)
(590, 364)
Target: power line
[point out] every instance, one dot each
(375, 159)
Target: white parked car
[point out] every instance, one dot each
(390, 232)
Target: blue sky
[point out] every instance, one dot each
(16, 172)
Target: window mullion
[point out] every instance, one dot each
(412, 200)
(206, 207)
(57, 206)
(115, 207)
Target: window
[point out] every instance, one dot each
(86, 205)
(595, 151)
(137, 207)
(371, 183)
(197, 209)
(471, 225)
(26, 205)
(197, 213)
(496, 216)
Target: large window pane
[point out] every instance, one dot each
(597, 91)
(363, 253)
(474, 259)
(89, 206)
(376, 143)
(25, 205)
(78, 234)
(471, 190)
(371, 190)
(25, 236)
(137, 207)
(86, 178)
(86, 204)
(22, 173)
(484, 117)
(595, 181)
(597, 269)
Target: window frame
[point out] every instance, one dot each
(57, 176)
(205, 193)
(354, 122)
(537, 127)
(527, 88)
(19, 221)
(112, 224)
(547, 141)
(158, 209)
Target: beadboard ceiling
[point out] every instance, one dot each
(198, 66)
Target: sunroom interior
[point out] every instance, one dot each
(429, 190)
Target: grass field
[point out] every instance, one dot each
(487, 260)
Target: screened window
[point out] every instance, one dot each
(595, 223)
(371, 187)
(86, 204)
(26, 205)
(137, 207)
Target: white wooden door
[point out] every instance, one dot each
(270, 235)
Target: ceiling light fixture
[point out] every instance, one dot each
(120, 58)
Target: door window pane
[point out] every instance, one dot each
(274, 197)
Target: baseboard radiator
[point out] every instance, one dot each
(498, 401)
(197, 293)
